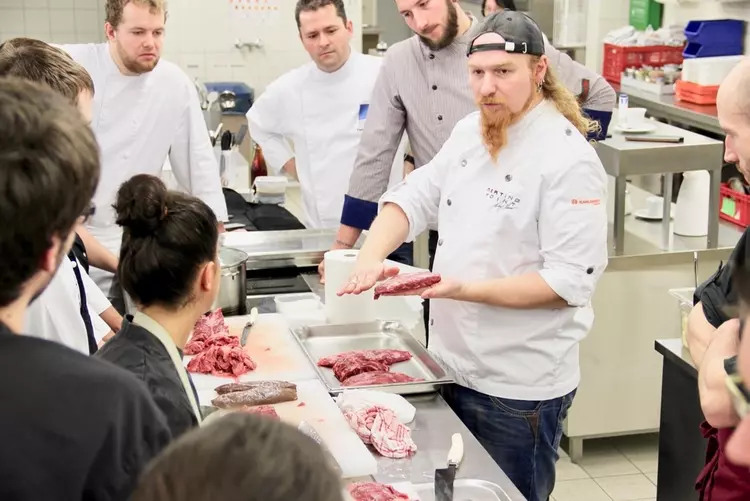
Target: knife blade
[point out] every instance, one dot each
(248, 326)
(311, 432)
(444, 477)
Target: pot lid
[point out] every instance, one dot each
(229, 257)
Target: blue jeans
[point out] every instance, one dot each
(404, 254)
(521, 436)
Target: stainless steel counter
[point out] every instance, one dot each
(434, 424)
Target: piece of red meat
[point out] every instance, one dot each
(345, 368)
(196, 346)
(261, 410)
(227, 361)
(373, 491)
(379, 377)
(388, 357)
(208, 327)
(405, 283)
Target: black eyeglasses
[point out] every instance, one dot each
(88, 212)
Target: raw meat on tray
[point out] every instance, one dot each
(406, 283)
(373, 491)
(379, 377)
(227, 361)
(388, 357)
(346, 368)
(252, 394)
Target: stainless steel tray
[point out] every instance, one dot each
(326, 340)
(466, 490)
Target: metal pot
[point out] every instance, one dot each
(232, 295)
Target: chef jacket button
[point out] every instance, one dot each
(432, 322)
(463, 163)
(440, 117)
(440, 242)
(509, 178)
(590, 270)
(434, 87)
(432, 56)
(449, 202)
(568, 131)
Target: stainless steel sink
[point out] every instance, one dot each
(466, 490)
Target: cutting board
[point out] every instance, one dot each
(272, 347)
(315, 406)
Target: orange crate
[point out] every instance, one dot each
(691, 92)
(619, 57)
(735, 207)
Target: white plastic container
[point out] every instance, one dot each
(271, 185)
(708, 71)
(293, 303)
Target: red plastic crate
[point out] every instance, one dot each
(735, 207)
(619, 57)
(697, 94)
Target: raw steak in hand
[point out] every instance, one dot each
(372, 491)
(387, 357)
(406, 283)
(378, 377)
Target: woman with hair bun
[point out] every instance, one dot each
(169, 266)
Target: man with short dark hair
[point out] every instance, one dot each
(309, 121)
(72, 310)
(71, 427)
(145, 111)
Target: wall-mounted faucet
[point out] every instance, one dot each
(256, 44)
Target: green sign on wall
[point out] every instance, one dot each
(645, 13)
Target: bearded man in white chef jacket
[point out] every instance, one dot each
(515, 296)
(320, 108)
(145, 109)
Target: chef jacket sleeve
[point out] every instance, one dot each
(384, 128)
(266, 122)
(419, 194)
(192, 157)
(573, 229)
(97, 301)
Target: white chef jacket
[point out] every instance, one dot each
(541, 208)
(322, 115)
(56, 314)
(138, 121)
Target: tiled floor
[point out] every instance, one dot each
(617, 469)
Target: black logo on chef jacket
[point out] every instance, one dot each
(502, 200)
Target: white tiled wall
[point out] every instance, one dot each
(200, 35)
(61, 21)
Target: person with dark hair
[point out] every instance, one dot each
(72, 310)
(146, 110)
(514, 299)
(321, 108)
(713, 330)
(72, 427)
(169, 266)
(241, 457)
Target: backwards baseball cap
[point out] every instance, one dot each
(521, 34)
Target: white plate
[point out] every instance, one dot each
(643, 214)
(641, 129)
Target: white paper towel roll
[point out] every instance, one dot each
(349, 308)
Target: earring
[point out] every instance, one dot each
(539, 86)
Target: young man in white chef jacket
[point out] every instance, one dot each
(145, 109)
(515, 296)
(72, 310)
(309, 121)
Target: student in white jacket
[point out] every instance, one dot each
(309, 121)
(145, 109)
